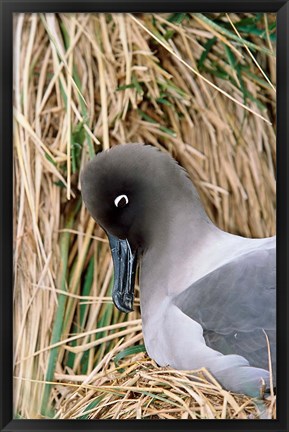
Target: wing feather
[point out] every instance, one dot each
(235, 304)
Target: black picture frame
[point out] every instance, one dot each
(7, 8)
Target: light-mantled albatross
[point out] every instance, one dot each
(207, 297)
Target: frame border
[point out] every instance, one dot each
(7, 8)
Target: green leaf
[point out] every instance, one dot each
(124, 87)
(207, 48)
(217, 71)
(65, 34)
(178, 17)
(48, 157)
(85, 117)
(59, 317)
(170, 87)
(239, 41)
(256, 78)
(59, 183)
(77, 140)
(146, 117)
(134, 84)
(168, 131)
(90, 406)
(256, 32)
(169, 34)
(164, 101)
(230, 56)
(242, 83)
(137, 85)
(87, 288)
(127, 352)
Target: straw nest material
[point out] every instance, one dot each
(201, 87)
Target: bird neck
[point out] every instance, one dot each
(177, 253)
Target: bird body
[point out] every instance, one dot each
(207, 297)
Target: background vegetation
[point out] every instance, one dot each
(201, 87)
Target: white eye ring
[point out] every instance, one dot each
(119, 198)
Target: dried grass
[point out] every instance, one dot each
(86, 82)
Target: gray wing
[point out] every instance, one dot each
(235, 304)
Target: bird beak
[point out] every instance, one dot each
(124, 263)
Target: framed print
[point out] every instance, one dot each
(144, 157)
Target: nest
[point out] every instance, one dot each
(139, 389)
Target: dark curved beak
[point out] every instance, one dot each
(124, 263)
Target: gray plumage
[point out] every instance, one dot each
(235, 310)
(207, 297)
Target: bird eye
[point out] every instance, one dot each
(121, 201)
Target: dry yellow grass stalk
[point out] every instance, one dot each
(86, 82)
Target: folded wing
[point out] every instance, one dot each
(236, 305)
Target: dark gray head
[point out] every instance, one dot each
(127, 187)
(130, 191)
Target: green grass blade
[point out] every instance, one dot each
(168, 131)
(89, 407)
(58, 322)
(207, 48)
(146, 117)
(163, 101)
(86, 289)
(178, 17)
(232, 36)
(77, 81)
(127, 352)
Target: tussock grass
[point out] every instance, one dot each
(201, 87)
